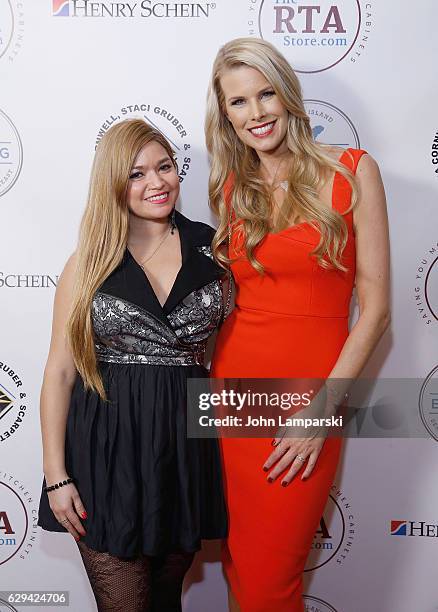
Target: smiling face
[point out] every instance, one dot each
(254, 110)
(153, 186)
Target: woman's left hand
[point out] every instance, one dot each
(293, 453)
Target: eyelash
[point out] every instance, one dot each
(136, 175)
(235, 102)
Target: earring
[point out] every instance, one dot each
(172, 221)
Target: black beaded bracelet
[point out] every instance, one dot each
(58, 485)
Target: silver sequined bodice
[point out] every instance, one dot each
(126, 333)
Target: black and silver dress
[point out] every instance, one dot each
(147, 488)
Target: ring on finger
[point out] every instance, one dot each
(300, 458)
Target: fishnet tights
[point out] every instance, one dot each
(143, 584)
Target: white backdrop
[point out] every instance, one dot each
(368, 69)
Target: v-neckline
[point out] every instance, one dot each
(148, 282)
(332, 202)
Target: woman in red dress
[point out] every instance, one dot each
(308, 222)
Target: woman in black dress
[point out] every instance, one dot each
(134, 308)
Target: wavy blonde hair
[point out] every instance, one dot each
(104, 234)
(309, 166)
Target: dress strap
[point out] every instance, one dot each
(341, 196)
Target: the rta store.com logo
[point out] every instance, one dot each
(330, 125)
(163, 120)
(315, 604)
(18, 519)
(335, 535)
(426, 286)
(121, 10)
(315, 35)
(419, 529)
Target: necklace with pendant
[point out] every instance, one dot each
(145, 261)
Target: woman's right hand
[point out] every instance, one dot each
(68, 509)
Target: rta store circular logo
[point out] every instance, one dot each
(428, 403)
(334, 538)
(314, 604)
(426, 286)
(314, 35)
(18, 519)
(11, 153)
(163, 120)
(330, 125)
(6, 607)
(12, 401)
(11, 28)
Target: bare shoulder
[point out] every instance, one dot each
(368, 169)
(371, 205)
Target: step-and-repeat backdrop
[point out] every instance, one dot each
(69, 69)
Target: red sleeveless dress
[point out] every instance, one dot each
(291, 322)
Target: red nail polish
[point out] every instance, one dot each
(273, 443)
(265, 469)
(284, 484)
(77, 539)
(270, 479)
(84, 515)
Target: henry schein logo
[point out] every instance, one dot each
(61, 8)
(414, 529)
(145, 8)
(314, 34)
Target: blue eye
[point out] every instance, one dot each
(268, 93)
(236, 102)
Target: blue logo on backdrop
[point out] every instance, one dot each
(330, 125)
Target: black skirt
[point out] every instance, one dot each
(146, 487)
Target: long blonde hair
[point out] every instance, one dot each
(309, 166)
(104, 233)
